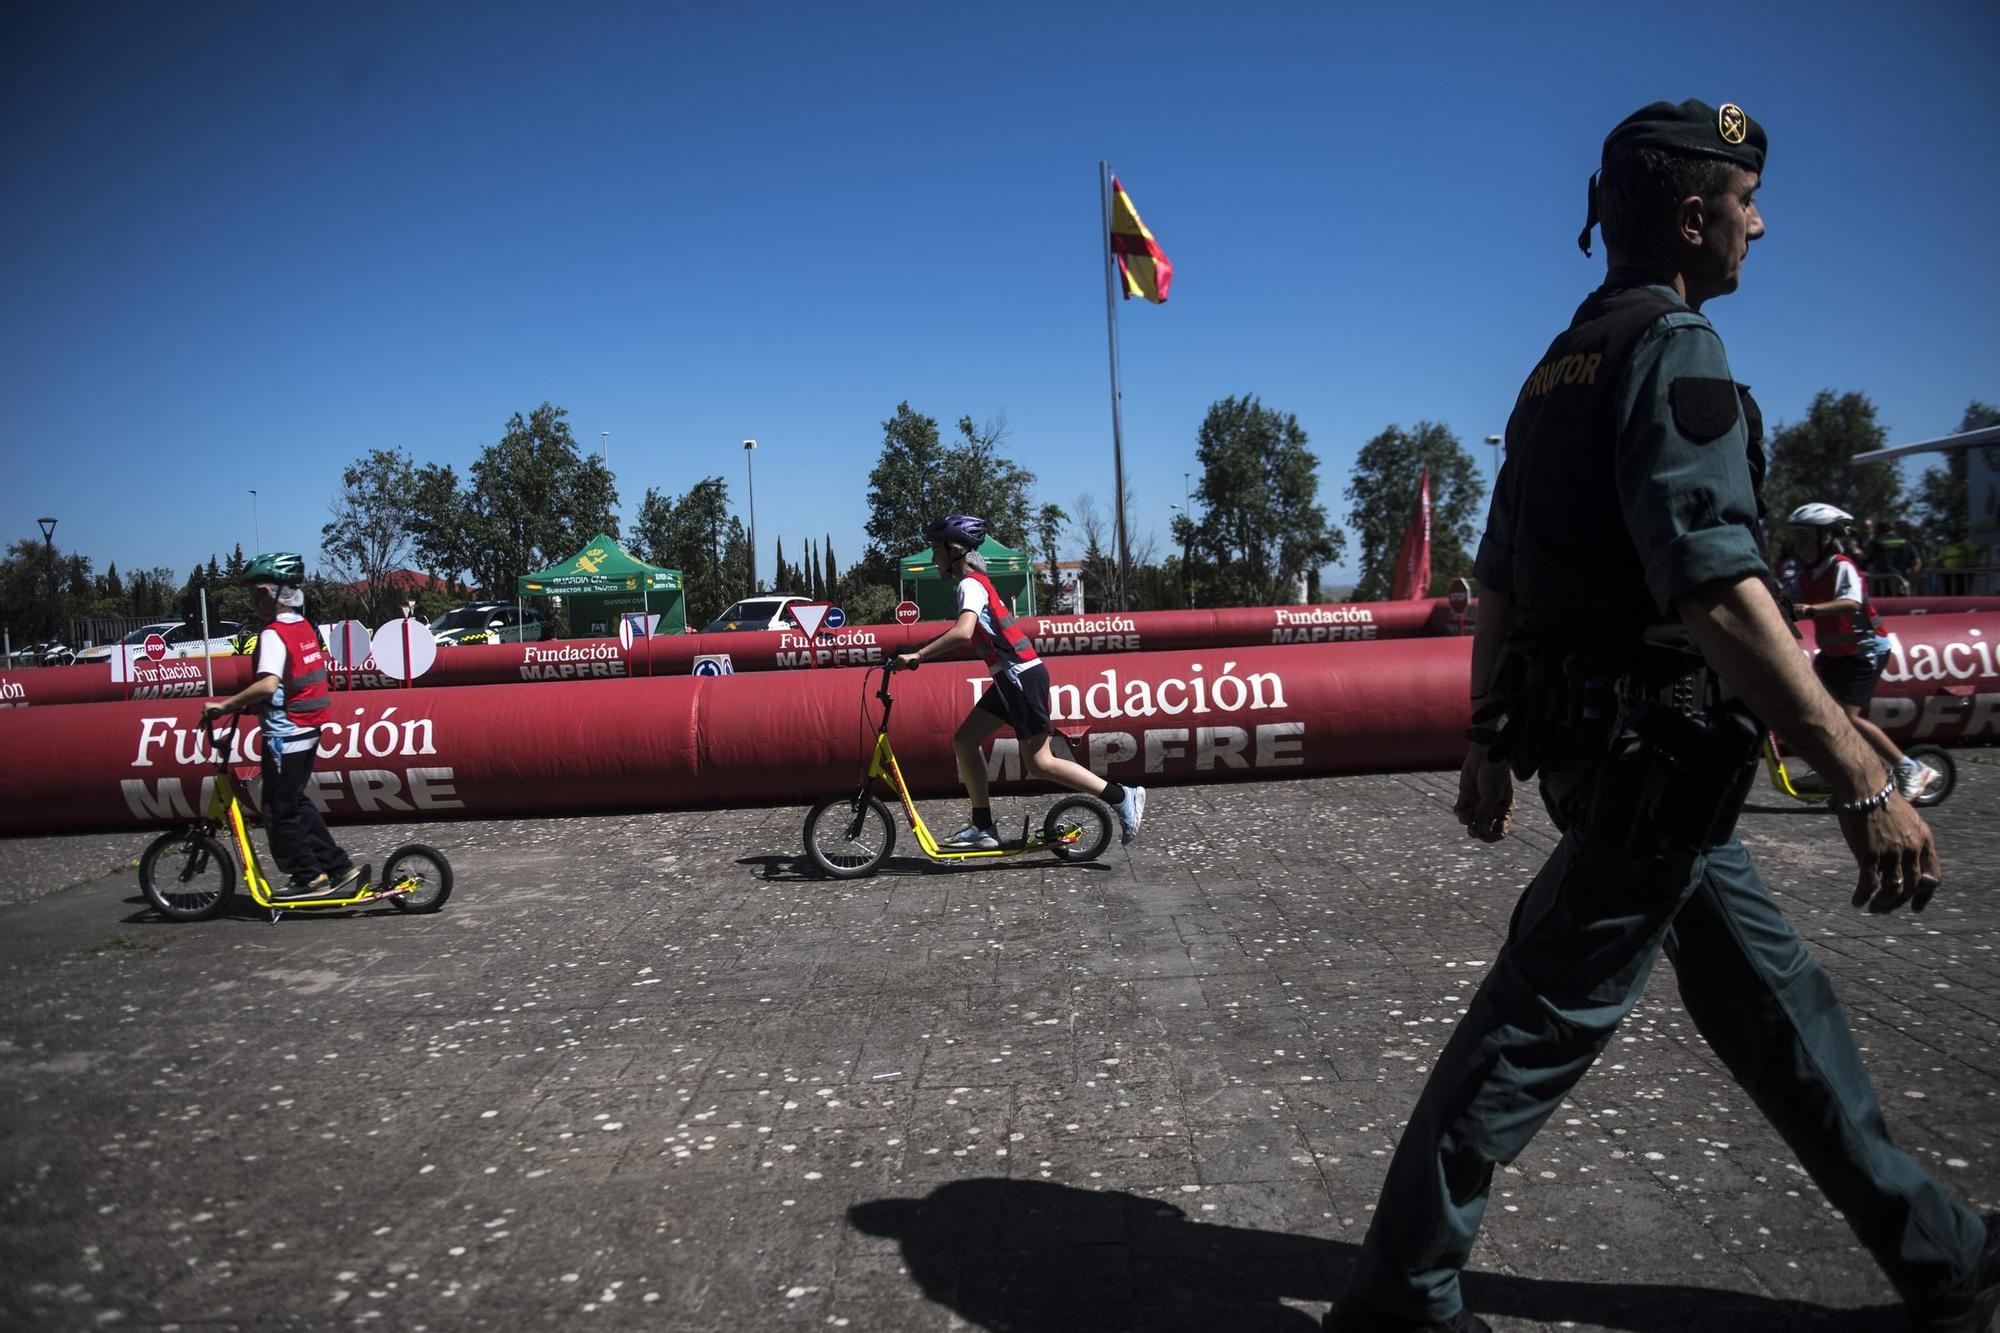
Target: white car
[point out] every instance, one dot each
(757, 613)
(102, 652)
(186, 640)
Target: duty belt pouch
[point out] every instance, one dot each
(1674, 783)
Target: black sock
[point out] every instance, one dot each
(982, 816)
(1112, 794)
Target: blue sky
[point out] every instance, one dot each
(244, 244)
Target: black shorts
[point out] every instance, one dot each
(1850, 679)
(1024, 707)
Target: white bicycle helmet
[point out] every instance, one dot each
(1817, 515)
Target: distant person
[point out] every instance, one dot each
(290, 693)
(1893, 558)
(1018, 695)
(1627, 646)
(1833, 594)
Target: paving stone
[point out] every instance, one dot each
(645, 1072)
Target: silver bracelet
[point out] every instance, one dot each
(1863, 807)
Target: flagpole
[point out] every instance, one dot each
(1117, 414)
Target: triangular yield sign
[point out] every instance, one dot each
(811, 615)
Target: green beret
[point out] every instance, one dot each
(1692, 129)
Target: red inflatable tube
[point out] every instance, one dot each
(761, 739)
(674, 655)
(680, 741)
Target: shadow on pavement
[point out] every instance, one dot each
(801, 870)
(1038, 1257)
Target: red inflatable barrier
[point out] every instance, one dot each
(678, 741)
(676, 655)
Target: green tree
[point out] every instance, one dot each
(1050, 520)
(918, 476)
(1383, 494)
(1262, 529)
(696, 534)
(1942, 498)
(1812, 460)
(437, 522)
(532, 498)
(368, 534)
(832, 572)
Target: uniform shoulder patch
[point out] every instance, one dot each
(1704, 409)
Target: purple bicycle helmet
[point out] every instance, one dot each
(964, 531)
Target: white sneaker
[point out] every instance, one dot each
(1915, 779)
(1131, 813)
(972, 838)
(1913, 782)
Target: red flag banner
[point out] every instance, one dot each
(1141, 261)
(1413, 559)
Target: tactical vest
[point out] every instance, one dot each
(1839, 635)
(1577, 578)
(1009, 643)
(307, 693)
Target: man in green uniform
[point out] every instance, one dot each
(1627, 644)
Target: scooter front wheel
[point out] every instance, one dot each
(847, 839)
(1078, 828)
(187, 875)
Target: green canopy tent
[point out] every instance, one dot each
(601, 582)
(1012, 572)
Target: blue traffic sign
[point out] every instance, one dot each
(835, 618)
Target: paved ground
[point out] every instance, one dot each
(641, 1072)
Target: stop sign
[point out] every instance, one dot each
(907, 613)
(1459, 596)
(156, 647)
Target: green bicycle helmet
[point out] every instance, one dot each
(281, 567)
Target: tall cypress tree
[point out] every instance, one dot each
(832, 572)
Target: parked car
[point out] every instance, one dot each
(102, 652)
(186, 640)
(757, 613)
(490, 622)
(41, 654)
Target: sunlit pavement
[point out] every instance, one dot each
(645, 1072)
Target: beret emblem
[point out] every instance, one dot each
(1731, 123)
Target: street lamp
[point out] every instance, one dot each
(49, 540)
(1186, 511)
(1494, 440)
(606, 436)
(256, 524)
(750, 471)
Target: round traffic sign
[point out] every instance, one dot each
(349, 645)
(707, 666)
(625, 633)
(907, 613)
(835, 618)
(156, 647)
(389, 642)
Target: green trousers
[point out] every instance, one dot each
(1581, 945)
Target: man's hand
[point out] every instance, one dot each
(1898, 859)
(210, 713)
(903, 662)
(1485, 796)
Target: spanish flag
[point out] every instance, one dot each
(1143, 264)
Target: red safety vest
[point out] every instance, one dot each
(305, 680)
(1009, 643)
(1839, 635)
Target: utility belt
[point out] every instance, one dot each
(1671, 760)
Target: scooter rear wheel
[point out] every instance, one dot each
(846, 839)
(1078, 828)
